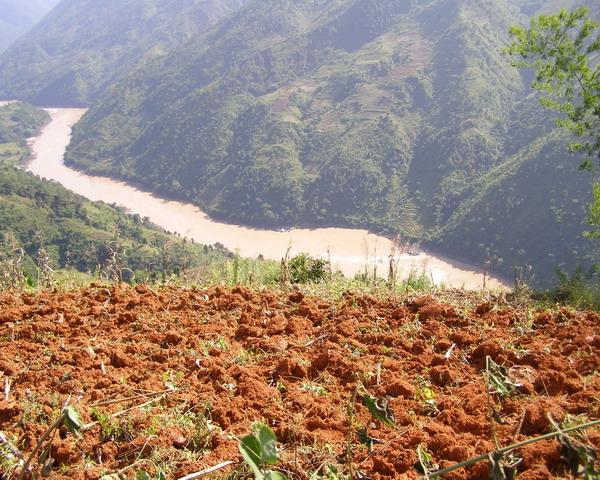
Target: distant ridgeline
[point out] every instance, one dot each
(84, 46)
(92, 237)
(399, 116)
(19, 16)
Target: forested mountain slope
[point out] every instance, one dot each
(19, 121)
(84, 46)
(18, 16)
(75, 233)
(400, 116)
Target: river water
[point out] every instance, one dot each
(350, 250)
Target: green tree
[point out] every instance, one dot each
(564, 50)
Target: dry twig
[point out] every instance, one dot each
(208, 471)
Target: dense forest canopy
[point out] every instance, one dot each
(19, 121)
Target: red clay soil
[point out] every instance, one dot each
(237, 356)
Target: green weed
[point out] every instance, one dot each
(425, 396)
(498, 380)
(259, 450)
(110, 427)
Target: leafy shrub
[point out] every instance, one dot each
(306, 269)
(581, 289)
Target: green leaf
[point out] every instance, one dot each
(72, 420)
(379, 409)
(498, 381)
(142, 475)
(268, 445)
(251, 452)
(273, 475)
(425, 465)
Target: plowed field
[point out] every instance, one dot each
(206, 364)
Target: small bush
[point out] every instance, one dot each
(305, 269)
(581, 289)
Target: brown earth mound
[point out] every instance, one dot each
(209, 363)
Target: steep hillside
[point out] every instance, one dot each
(75, 233)
(392, 115)
(85, 236)
(84, 46)
(528, 212)
(19, 16)
(19, 121)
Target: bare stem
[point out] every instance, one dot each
(349, 456)
(127, 399)
(59, 421)
(208, 471)
(490, 408)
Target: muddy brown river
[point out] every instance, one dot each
(350, 250)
